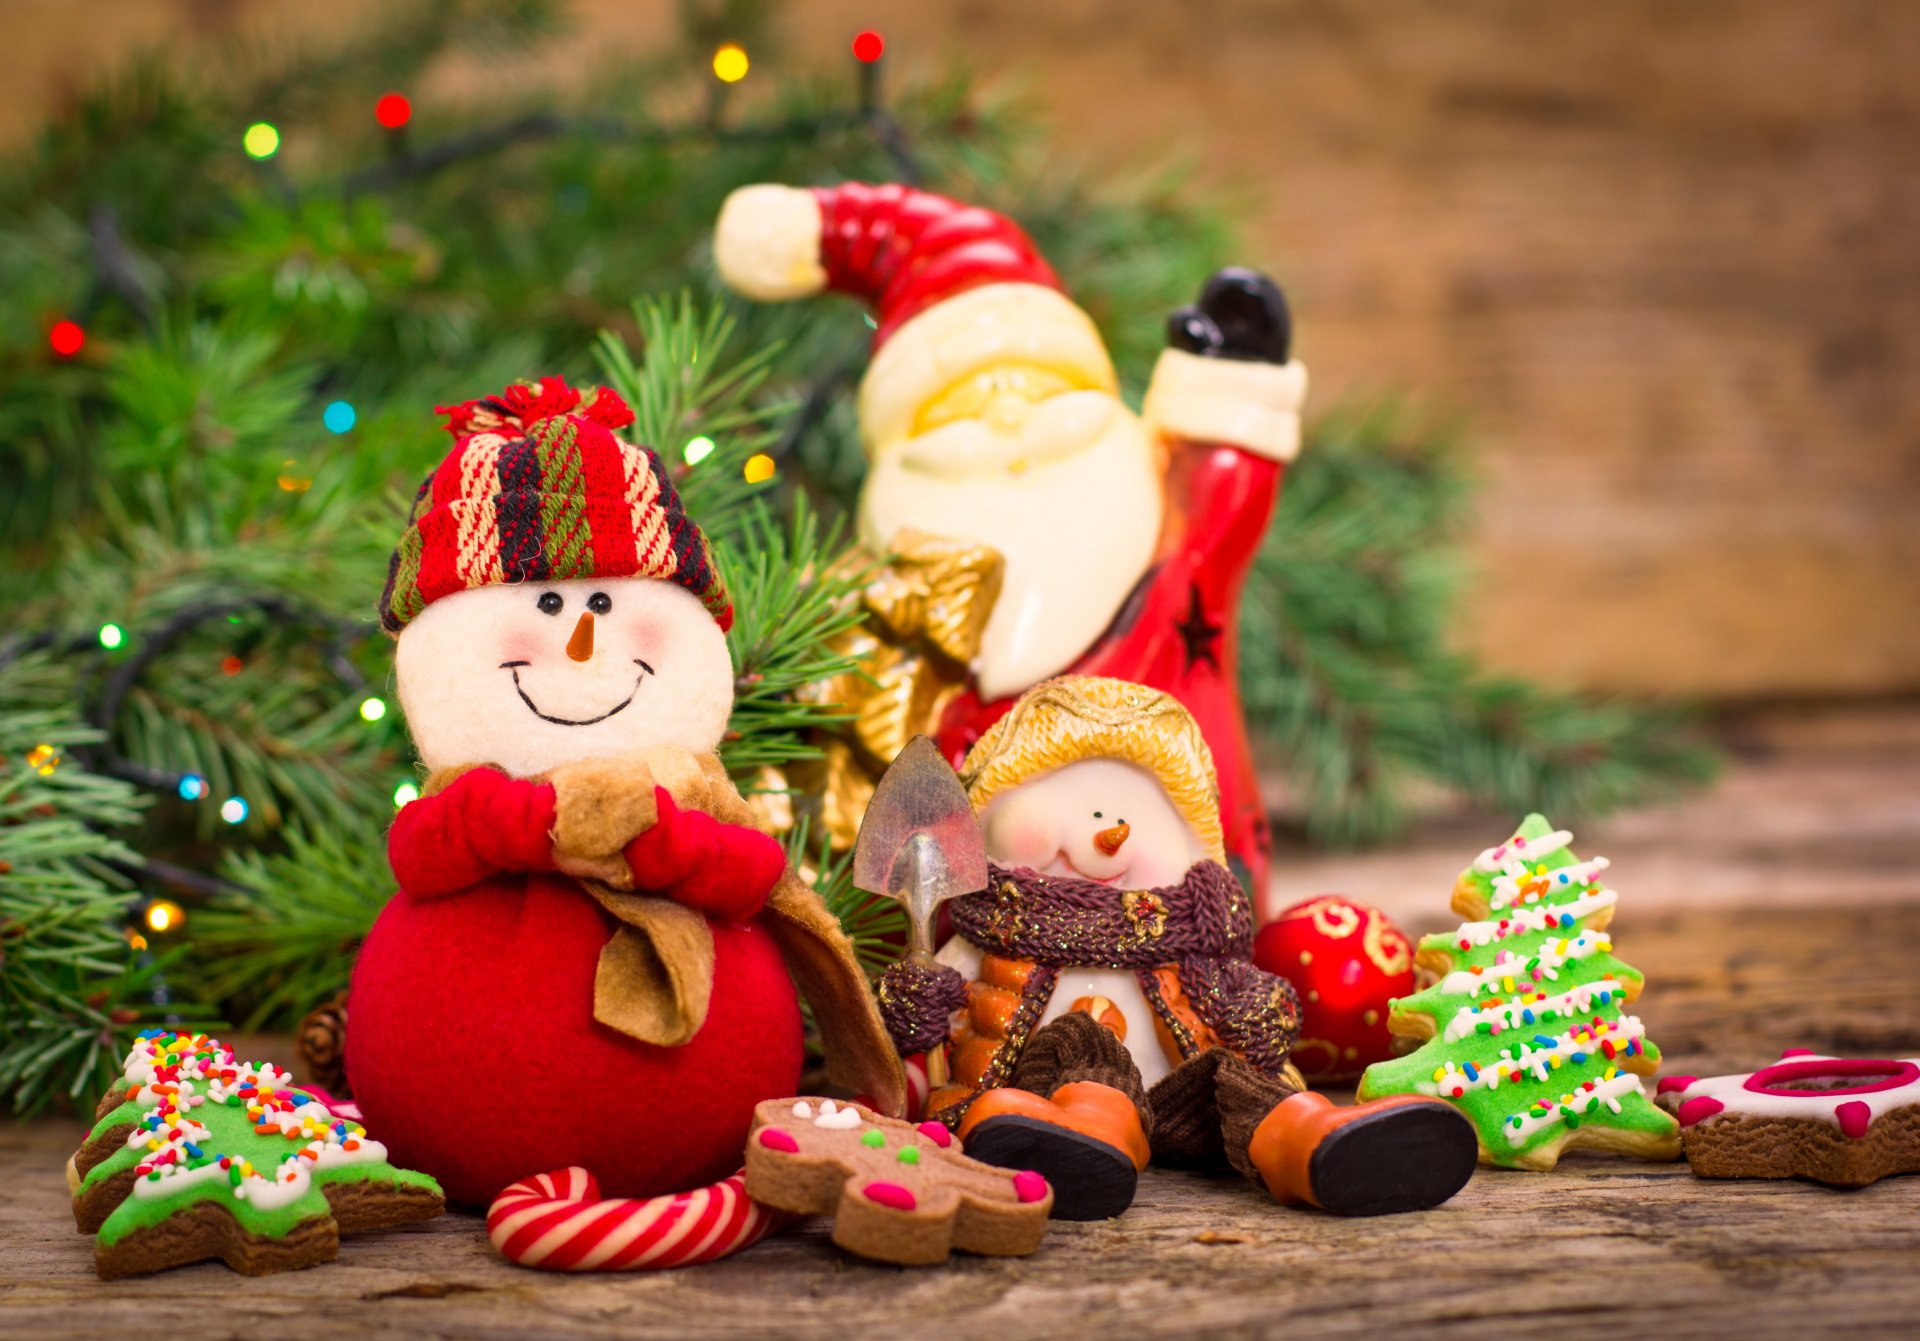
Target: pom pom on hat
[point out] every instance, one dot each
(767, 243)
(538, 488)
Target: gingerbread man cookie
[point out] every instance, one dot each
(897, 1192)
(1837, 1120)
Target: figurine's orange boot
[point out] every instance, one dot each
(1087, 1141)
(1401, 1153)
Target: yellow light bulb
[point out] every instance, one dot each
(759, 467)
(164, 915)
(261, 140)
(730, 63)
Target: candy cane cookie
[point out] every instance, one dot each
(558, 1222)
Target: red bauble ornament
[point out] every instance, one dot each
(1347, 960)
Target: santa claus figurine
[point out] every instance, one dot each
(1099, 996)
(592, 957)
(1036, 524)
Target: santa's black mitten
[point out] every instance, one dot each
(917, 1002)
(1240, 314)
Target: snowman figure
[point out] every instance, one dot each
(1099, 996)
(593, 959)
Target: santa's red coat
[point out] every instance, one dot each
(1178, 630)
(471, 1044)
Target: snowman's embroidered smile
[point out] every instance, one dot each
(1064, 860)
(534, 708)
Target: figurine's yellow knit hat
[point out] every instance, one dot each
(1075, 717)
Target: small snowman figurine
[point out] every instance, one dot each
(1100, 998)
(592, 958)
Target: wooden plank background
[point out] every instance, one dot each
(1660, 255)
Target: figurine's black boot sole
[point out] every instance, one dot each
(1399, 1159)
(1091, 1180)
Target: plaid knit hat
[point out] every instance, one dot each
(538, 489)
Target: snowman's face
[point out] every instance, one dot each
(529, 676)
(1100, 818)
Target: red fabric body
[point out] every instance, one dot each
(1178, 632)
(472, 1048)
(904, 250)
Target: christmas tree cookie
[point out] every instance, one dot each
(197, 1155)
(1525, 1029)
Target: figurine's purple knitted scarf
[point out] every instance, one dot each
(1202, 927)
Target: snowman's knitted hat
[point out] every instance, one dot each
(538, 488)
(1074, 717)
(954, 288)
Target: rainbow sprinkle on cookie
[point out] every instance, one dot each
(196, 1154)
(1525, 1025)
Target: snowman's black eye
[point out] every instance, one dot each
(599, 602)
(551, 602)
(1096, 814)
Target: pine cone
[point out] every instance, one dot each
(322, 1046)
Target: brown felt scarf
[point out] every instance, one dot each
(654, 980)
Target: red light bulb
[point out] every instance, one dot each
(869, 46)
(393, 111)
(66, 338)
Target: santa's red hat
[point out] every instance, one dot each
(954, 288)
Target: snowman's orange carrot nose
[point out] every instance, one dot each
(1109, 840)
(580, 646)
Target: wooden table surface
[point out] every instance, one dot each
(1599, 1244)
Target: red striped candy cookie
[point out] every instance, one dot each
(558, 1222)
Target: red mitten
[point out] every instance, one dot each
(725, 870)
(483, 823)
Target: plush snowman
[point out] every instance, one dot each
(1099, 997)
(593, 958)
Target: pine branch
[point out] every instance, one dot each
(73, 987)
(282, 941)
(794, 592)
(1346, 675)
(686, 390)
(876, 926)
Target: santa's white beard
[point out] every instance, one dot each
(1077, 525)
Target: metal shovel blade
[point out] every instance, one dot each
(919, 843)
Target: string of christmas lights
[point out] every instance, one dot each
(120, 656)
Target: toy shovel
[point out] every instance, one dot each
(919, 846)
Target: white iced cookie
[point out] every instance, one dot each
(530, 676)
